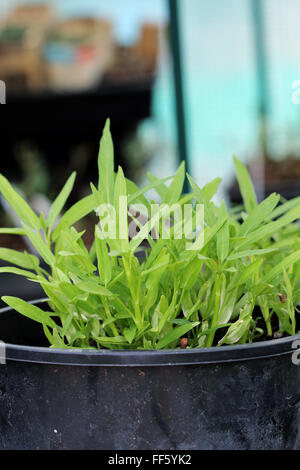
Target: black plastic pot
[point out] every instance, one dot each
(242, 397)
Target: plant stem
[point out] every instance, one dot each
(269, 327)
(109, 315)
(211, 336)
(133, 289)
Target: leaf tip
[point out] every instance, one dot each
(107, 125)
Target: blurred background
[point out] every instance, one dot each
(180, 79)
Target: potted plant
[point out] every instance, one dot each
(190, 347)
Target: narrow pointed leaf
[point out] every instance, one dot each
(259, 214)
(94, 288)
(106, 165)
(24, 260)
(246, 185)
(284, 264)
(19, 205)
(175, 334)
(31, 311)
(60, 201)
(81, 209)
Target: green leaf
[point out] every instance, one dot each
(82, 208)
(160, 314)
(236, 331)
(19, 205)
(121, 212)
(31, 311)
(12, 231)
(132, 190)
(210, 232)
(94, 288)
(137, 195)
(210, 189)
(283, 208)
(60, 201)
(174, 191)
(19, 272)
(40, 245)
(160, 188)
(259, 214)
(48, 334)
(187, 304)
(116, 340)
(106, 165)
(150, 297)
(57, 299)
(97, 195)
(271, 228)
(179, 321)
(246, 186)
(57, 340)
(69, 290)
(248, 272)
(223, 236)
(104, 261)
(25, 260)
(130, 333)
(246, 253)
(227, 309)
(191, 272)
(175, 334)
(201, 198)
(284, 264)
(208, 331)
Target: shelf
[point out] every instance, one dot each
(58, 122)
(50, 112)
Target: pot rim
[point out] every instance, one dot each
(149, 358)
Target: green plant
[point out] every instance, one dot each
(241, 285)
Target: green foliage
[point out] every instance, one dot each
(241, 284)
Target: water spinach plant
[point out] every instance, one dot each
(242, 284)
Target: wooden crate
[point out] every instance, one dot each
(147, 48)
(137, 62)
(38, 16)
(21, 69)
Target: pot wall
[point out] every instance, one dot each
(247, 405)
(216, 398)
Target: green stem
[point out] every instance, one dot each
(126, 309)
(211, 336)
(109, 315)
(133, 290)
(269, 327)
